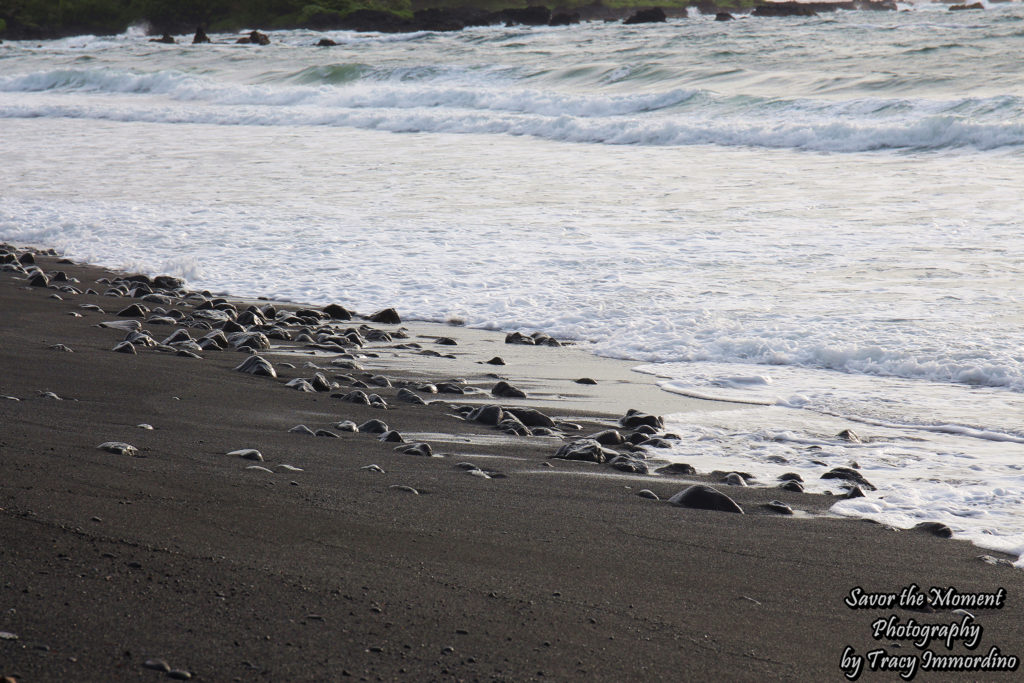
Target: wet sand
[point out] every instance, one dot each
(557, 570)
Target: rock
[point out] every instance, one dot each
(848, 435)
(449, 388)
(254, 38)
(166, 38)
(420, 449)
(249, 340)
(406, 489)
(337, 311)
(320, 382)
(380, 381)
(677, 468)
(961, 8)
(519, 338)
(734, 479)
(585, 380)
(256, 365)
(531, 417)
(794, 486)
(133, 311)
(446, 341)
(119, 448)
(505, 390)
(541, 339)
(564, 19)
(301, 384)
(346, 426)
(935, 529)
(586, 450)
(511, 425)
(647, 493)
(302, 429)
(855, 492)
(704, 498)
(778, 507)
(179, 675)
(608, 437)
(373, 468)
(488, 415)
(534, 15)
(356, 396)
(125, 347)
(374, 427)
(630, 465)
(409, 397)
(388, 316)
(655, 443)
(634, 419)
(200, 36)
(39, 280)
(847, 474)
(247, 454)
(390, 436)
(326, 42)
(723, 16)
(790, 476)
(157, 665)
(497, 360)
(783, 9)
(287, 468)
(646, 16)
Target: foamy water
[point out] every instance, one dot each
(831, 235)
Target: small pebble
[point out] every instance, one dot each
(118, 448)
(373, 468)
(145, 426)
(407, 489)
(248, 454)
(157, 665)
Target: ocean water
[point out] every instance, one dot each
(819, 217)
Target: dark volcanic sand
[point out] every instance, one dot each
(234, 574)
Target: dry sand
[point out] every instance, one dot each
(331, 573)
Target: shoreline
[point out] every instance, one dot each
(306, 575)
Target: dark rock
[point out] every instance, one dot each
(855, 492)
(535, 15)
(629, 465)
(505, 390)
(646, 430)
(125, 347)
(510, 425)
(200, 36)
(848, 435)
(446, 341)
(519, 338)
(488, 415)
(133, 311)
(585, 449)
(734, 479)
(705, 498)
(374, 427)
(647, 16)
(375, 20)
(409, 397)
(27, 259)
(654, 442)
(254, 38)
(449, 388)
(256, 365)
(346, 426)
(679, 468)
(608, 437)
(634, 419)
(167, 282)
(420, 449)
(585, 380)
(935, 529)
(337, 312)
(249, 340)
(166, 38)
(564, 19)
(390, 436)
(39, 280)
(778, 507)
(723, 16)
(388, 316)
(497, 360)
(847, 474)
(301, 384)
(531, 417)
(794, 486)
(784, 9)
(379, 381)
(541, 339)
(327, 433)
(356, 396)
(647, 493)
(326, 42)
(157, 665)
(302, 429)
(790, 476)
(961, 8)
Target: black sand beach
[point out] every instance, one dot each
(111, 565)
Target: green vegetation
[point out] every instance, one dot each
(50, 18)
